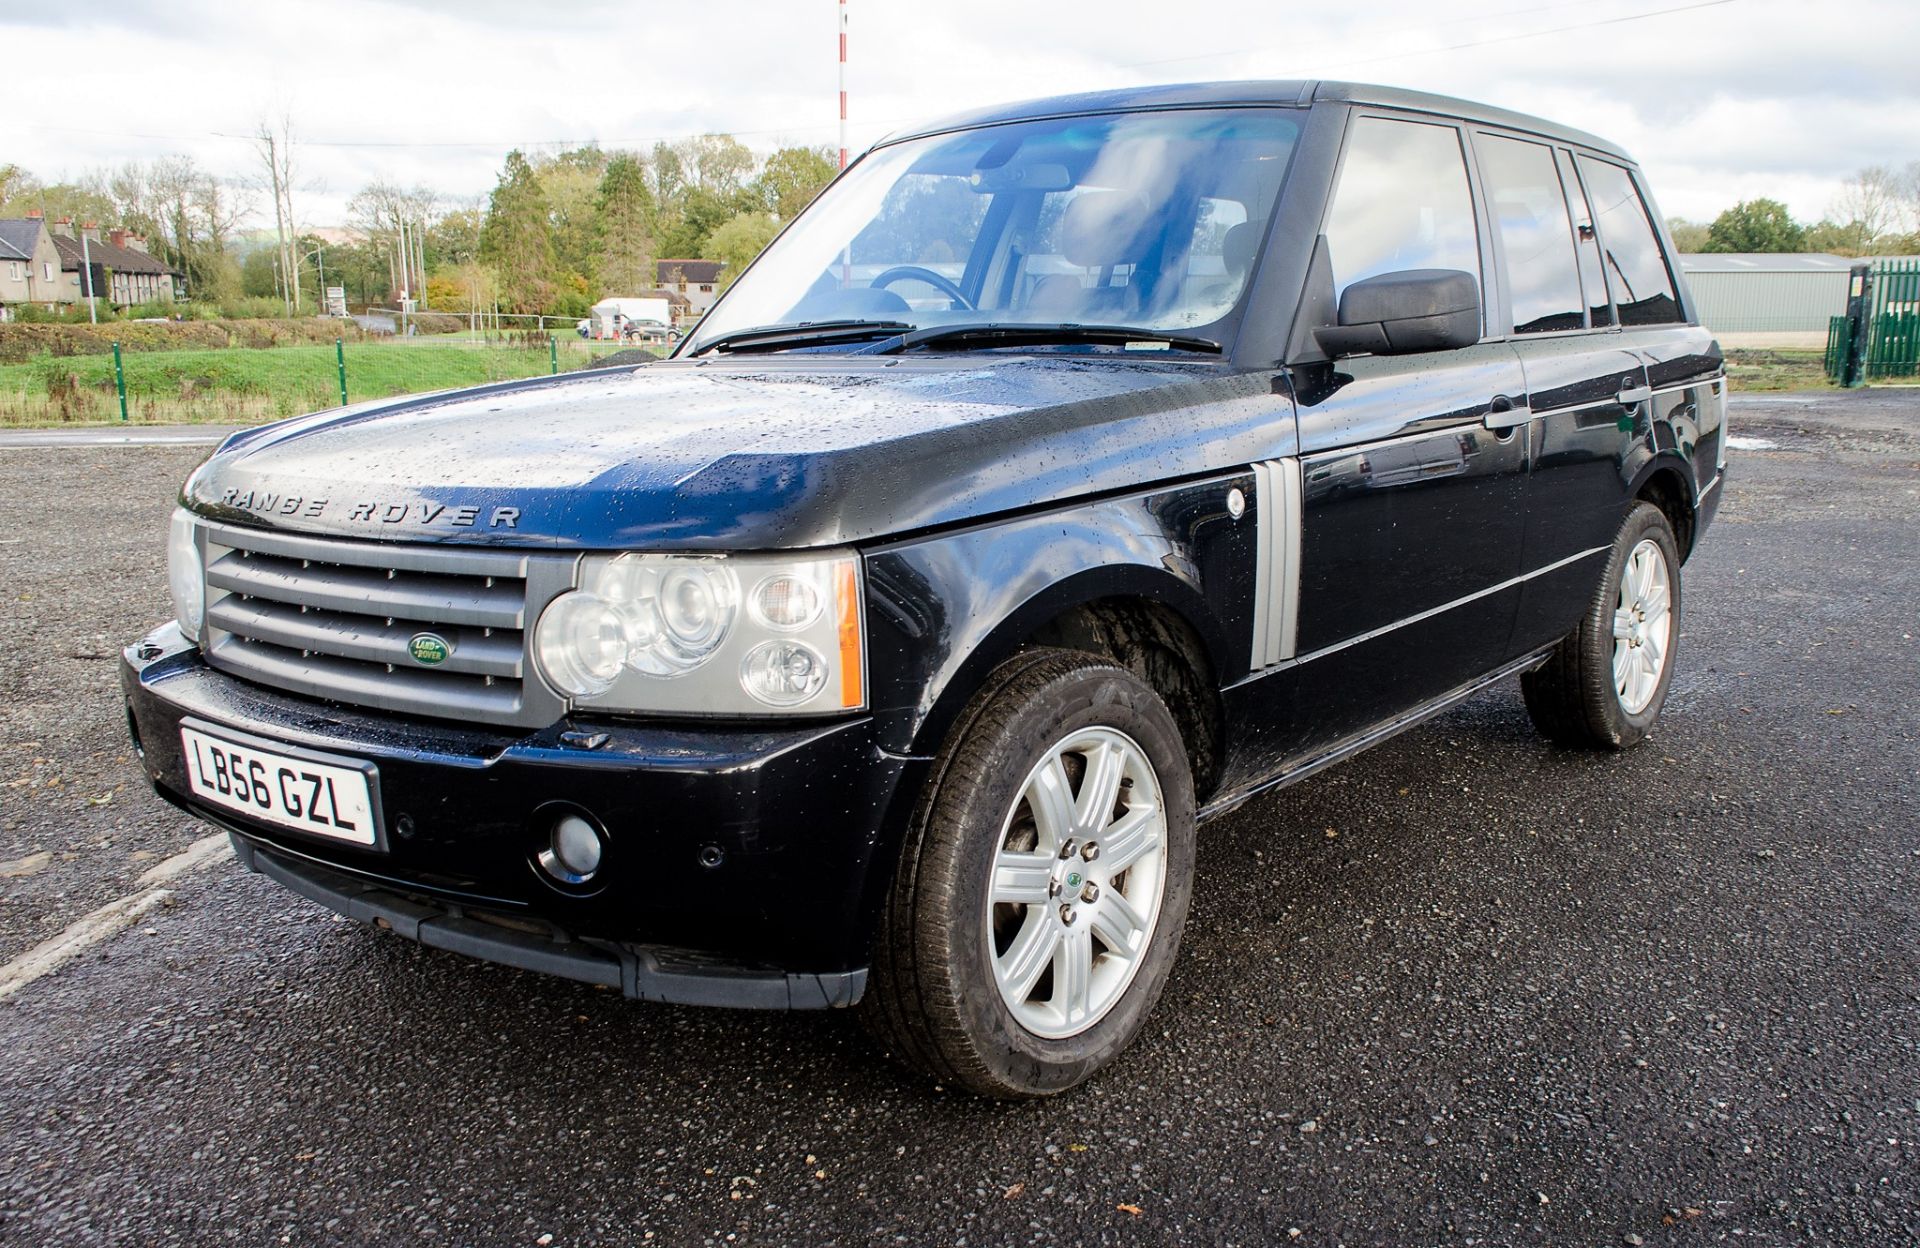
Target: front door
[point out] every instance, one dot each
(1412, 467)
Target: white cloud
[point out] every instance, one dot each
(1742, 98)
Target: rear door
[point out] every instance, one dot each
(1685, 416)
(1586, 387)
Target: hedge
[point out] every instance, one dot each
(20, 342)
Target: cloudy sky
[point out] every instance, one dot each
(1719, 99)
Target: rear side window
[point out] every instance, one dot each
(1529, 211)
(1600, 309)
(1629, 249)
(1402, 203)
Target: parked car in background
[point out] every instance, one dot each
(613, 318)
(1067, 475)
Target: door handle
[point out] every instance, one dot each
(1503, 415)
(1633, 396)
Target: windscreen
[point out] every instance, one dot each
(1137, 219)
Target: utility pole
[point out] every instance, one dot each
(86, 272)
(406, 276)
(277, 150)
(279, 220)
(420, 249)
(846, 252)
(843, 84)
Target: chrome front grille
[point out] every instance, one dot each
(334, 619)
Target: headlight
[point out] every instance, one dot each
(708, 634)
(186, 578)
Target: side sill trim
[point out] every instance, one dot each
(1366, 739)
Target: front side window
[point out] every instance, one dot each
(1629, 249)
(1148, 220)
(1402, 203)
(1529, 211)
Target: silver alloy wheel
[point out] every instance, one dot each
(1642, 626)
(1078, 878)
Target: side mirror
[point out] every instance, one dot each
(1412, 310)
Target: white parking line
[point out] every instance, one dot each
(152, 435)
(82, 935)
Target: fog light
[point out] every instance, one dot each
(575, 853)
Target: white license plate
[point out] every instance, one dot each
(282, 789)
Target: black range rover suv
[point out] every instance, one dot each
(1066, 475)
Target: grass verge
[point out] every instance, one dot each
(1770, 369)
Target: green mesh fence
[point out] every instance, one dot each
(243, 386)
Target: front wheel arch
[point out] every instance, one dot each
(1074, 613)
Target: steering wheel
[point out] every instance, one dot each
(901, 272)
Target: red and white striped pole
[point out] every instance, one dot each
(843, 84)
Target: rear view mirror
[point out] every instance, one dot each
(1031, 177)
(1412, 310)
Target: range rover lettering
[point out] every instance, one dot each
(1066, 475)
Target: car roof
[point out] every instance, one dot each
(1289, 94)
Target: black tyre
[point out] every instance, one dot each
(1605, 683)
(1043, 887)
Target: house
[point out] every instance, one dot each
(29, 264)
(125, 272)
(697, 281)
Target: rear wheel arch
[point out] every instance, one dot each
(1664, 483)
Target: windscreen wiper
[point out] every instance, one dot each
(1015, 334)
(802, 334)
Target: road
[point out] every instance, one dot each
(114, 435)
(1466, 988)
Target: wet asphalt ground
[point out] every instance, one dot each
(1466, 988)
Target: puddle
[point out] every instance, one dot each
(1737, 443)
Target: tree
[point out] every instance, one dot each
(260, 273)
(20, 192)
(517, 240)
(465, 290)
(716, 162)
(389, 216)
(187, 215)
(701, 212)
(791, 178)
(625, 223)
(275, 147)
(698, 184)
(363, 269)
(1755, 225)
(454, 238)
(1688, 236)
(13, 180)
(737, 241)
(571, 182)
(1907, 190)
(1868, 207)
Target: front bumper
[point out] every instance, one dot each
(744, 865)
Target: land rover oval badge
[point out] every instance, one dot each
(429, 649)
